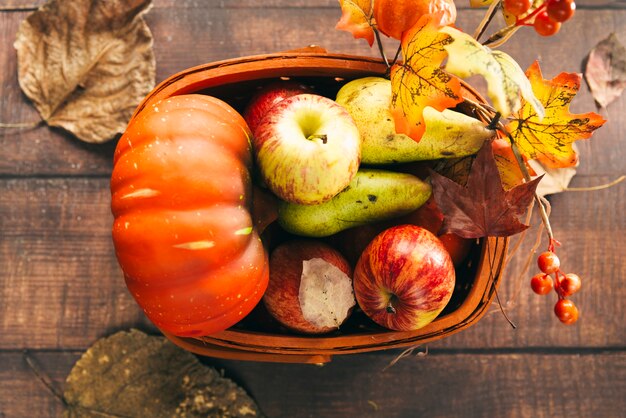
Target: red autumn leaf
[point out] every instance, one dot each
(482, 207)
(356, 18)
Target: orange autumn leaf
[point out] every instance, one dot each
(420, 81)
(549, 139)
(356, 18)
(393, 17)
(510, 172)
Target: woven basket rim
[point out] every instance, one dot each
(251, 345)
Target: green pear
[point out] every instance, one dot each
(448, 134)
(372, 195)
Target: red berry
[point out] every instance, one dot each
(545, 26)
(560, 10)
(548, 262)
(541, 284)
(566, 311)
(570, 284)
(516, 7)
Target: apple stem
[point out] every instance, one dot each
(390, 308)
(323, 137)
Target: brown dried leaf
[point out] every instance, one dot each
(482, 208)
(86, 64)
(131, 374)
(605, 71)
(555, 180)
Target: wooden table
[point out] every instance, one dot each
(61, 287)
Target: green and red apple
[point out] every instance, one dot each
(307, 149)
(267, 97)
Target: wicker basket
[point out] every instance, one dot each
(256, 338)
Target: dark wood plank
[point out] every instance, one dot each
(45, 151)
(60, 284)
(590, 226)
(59, 275)
(241, 4)
(436, 385)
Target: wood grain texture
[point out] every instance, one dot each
(61, 287)
(243, 4)
(61, 277)
(178, 45)
(60, 284)
(439, 384)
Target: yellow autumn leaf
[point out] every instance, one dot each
(480, 3)
(549, 139)
(506, 82)
(356, 18)
(419, 80)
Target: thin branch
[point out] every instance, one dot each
(598, 187)
(491, 12)
(381, 49)
(495, 289)
(24, 125)
(520, 162)
(43, 377)
(398, 52)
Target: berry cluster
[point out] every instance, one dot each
(546, 18)
(564, 284)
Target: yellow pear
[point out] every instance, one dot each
(448, 134)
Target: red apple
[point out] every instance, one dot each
(404, 278)
(458, 247)
(351, 242)
(430, 217)
(268, 96)
(310, 287)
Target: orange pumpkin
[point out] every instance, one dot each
(183, 232)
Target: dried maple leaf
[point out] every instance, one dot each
(482, 207)
(325, 294)
(605, 71)
(420, 81)
(356, 18)
(131, 374)
(549, 139)
(506, 82)
(555, 180)
(86, 64)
